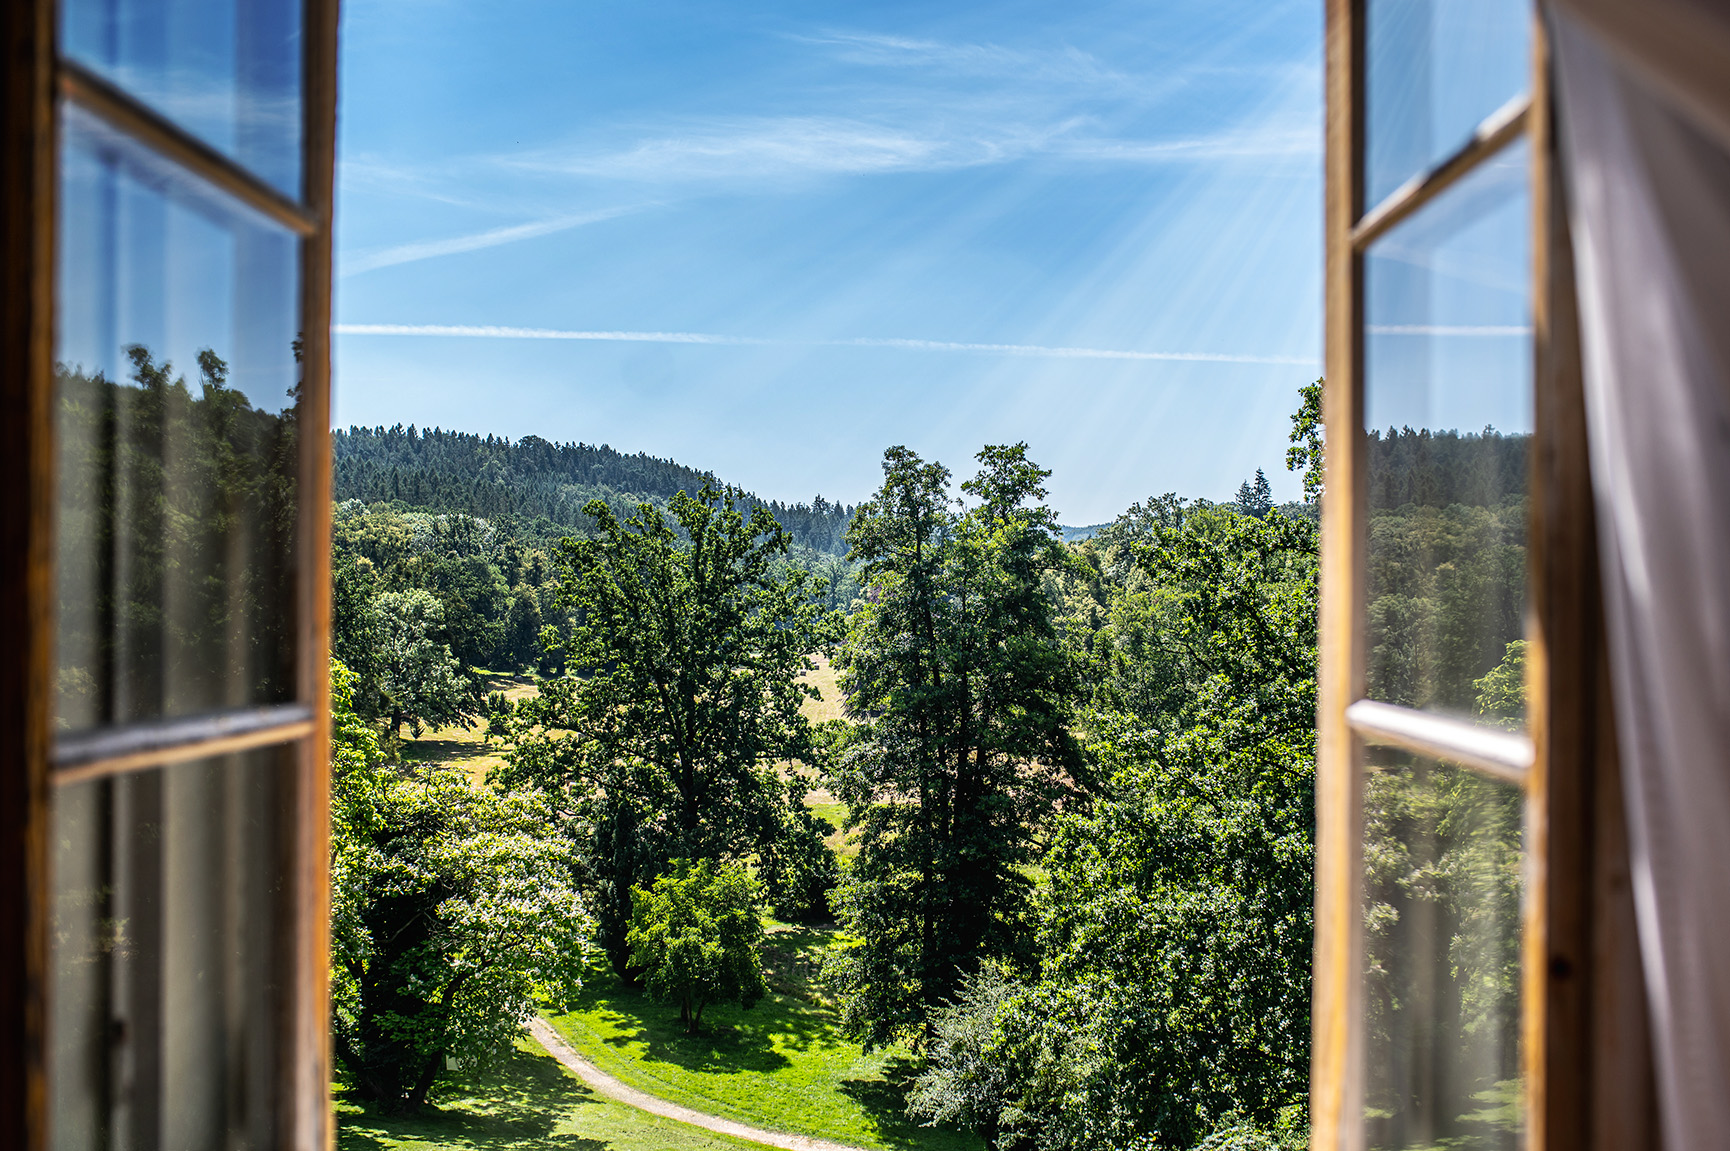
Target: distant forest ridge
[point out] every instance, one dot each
(1440, 469)
(533, 479)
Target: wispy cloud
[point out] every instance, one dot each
(494, 332)
(769, 147)
(762, 149)
(474, 242)
(1061, 65)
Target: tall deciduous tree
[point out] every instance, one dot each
(687, 657)
(449, 915)
(961, 692)
(419, 682)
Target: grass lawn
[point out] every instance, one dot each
(528, 1103)
(824, 680)
(468, 747)
(779, 1065)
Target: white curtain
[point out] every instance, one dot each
(1644, 106)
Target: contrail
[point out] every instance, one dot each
(494, 332)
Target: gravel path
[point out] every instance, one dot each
(613, 1088)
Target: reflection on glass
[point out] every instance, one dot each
(228, 71)
(169, 904)
(1448, 410)
(1437, 69)
(178, 455)
(1442, 859)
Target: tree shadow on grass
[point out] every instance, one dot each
(733, 1039)
(884, 1102)
(514, 1107)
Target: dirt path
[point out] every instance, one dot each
(615, 1089)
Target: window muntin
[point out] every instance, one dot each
(1442, 890)
(227, 71)
(1435, 70)
(178, 446)
(1448, 420)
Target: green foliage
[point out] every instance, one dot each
(960, 691)
(176, 520)
(1446, 571)
(1502, 691)
(448, 916)
(1307, 453)
(545, 485)
(1255, 499)
(968, 1081)
(690, 638)
(419, 683)
(797, 868)
(695, 936)
(1168, 1001)
(1442, 889)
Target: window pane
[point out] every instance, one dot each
(1442, 858)
(178, 457)
(228, 71)
(1437, 69)
(171, 906)
(1448, 407)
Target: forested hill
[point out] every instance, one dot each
(533, 479)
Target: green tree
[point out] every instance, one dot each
(960, 691)
(419, 682)
(1255, 499)
(521, 646)
(695, 934)
(688, 646)
(449, 916)
(797, 869)
(1502, 692)
(1307, 454)
(1169, 1000)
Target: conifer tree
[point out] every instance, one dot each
(960, 694)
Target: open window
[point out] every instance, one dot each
(1476, 980)
(168, 171)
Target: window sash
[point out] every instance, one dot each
(32, 762)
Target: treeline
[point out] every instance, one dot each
(533, 480)
(1080, 777)
(160, 478)
(1447, 568)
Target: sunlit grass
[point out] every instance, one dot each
(467, 747)
(780, 1065)
(528, 1103)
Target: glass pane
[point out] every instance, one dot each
(228, 71)
(1437, 69)
(177, 384)
(170, 914)
(1442, 868)
(1448, 406)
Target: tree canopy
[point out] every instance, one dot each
(695, 935)
(959, 691)
(450, 916)
(689, 643)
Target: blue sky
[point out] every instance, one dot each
(774, 240)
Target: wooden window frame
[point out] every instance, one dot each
(34, 83)
(1585, 1054)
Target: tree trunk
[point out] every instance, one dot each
(423, 1085)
